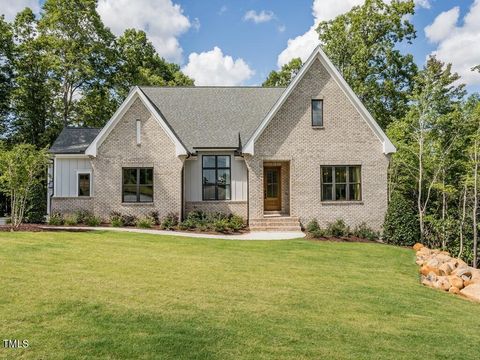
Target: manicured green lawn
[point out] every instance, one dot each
(129, 296)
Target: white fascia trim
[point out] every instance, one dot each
(70, 156)
(388, 147)
(134, 94)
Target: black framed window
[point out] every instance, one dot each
(137, 185)
(341, 183)
(84, 184)
(317, 112)
(216, 182)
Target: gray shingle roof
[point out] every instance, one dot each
(213, 117)
(74, 140)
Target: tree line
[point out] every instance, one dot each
(433, 177)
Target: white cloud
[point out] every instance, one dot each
(162, 20)
(222, 10)
(261, 17)
(281, 28)
(460, 44)
(10, 8)
(214, 68)
(322, 10)
(443, 25)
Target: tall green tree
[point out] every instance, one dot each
(285, 74)
(140, 64)
(423, 137)
(82, 49)
(363, 45)
(34, 89)
(6, 71)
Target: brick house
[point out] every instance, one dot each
(272, 155)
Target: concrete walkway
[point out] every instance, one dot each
(254, 235)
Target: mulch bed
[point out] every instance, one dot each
(39, 228)
(350, 239)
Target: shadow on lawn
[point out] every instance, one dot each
(97, 331)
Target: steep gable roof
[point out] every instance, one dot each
(318, 53)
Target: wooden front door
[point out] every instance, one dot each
(272, 193)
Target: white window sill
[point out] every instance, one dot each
(138, 204)
(316, 127)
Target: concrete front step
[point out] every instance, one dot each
(284, 223)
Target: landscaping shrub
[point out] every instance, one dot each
(93, 220)
(338, 228)
(71, 220)
(82, 216)
(170, 221)
(116, 222)
(55, 219)
(401, 225)
(154, 215)
(312, 226)
(144, 222)
(186, 225)
(236, 223)
(220, 225)
(129, 220)
(364, 232)
(37, 208)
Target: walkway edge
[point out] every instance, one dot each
(254, 235)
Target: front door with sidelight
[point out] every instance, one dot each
(272, 189)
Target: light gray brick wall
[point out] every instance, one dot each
(226, 207)
(346, 139)
(70, 205)
(120, 150)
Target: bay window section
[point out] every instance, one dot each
(216, 181)
(137, 185)
(341, 183)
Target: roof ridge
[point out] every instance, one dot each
(213, 87)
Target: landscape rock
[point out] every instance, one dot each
(472, 292)
(442, 283)
(418, 246)
(455, 281)
(445, 269)
(454, 290)
(425, 270)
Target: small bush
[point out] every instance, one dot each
(220, 225)
(154, 215)
(312, 226)
(364, 232)
(170, 221)
(196, 216)
(129, 220)
(71, 220)
(338, 228)
(55, 219)
(401, 225)
(319, 233)
(93, 220)
(236, 223)
(186, 225)
(145, 222)
(82, 216)
(116, 222)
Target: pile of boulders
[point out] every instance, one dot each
(441, 271)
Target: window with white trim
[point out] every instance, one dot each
(83, 184)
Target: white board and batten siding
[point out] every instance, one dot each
(66, 174)
(193, 177)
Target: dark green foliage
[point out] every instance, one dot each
(129, 220)
(55, 219)
(92, 220)
(144, 222)
(170, 221)
(312, 226)
(401, 222)
(338, 228)
(35, 213)
(236, 223)
(284, 76)
(363, 231)
(215, 221)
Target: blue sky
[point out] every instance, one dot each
(227, 42)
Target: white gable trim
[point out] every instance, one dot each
(318, 53)
(134, 94)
